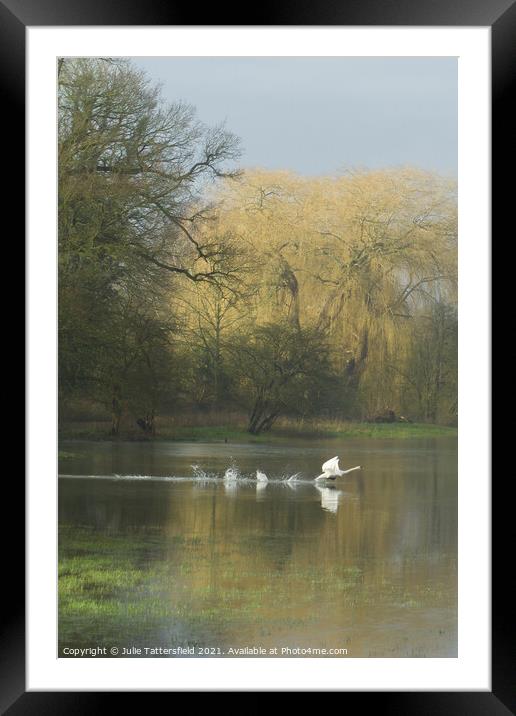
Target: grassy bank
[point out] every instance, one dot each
(285, 430)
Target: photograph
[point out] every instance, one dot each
(257, 349)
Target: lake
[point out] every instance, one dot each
(159, 555)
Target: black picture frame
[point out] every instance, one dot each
(500, 16)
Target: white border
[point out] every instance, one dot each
(471, 670)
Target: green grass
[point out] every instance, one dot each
(285, 430)
(109, 589)
(148, 587)
(280, 433)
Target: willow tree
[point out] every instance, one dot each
(356, 255)
(393, 250)
(429, 377)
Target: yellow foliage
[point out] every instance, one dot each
(358, 254)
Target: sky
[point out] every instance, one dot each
(322, 115)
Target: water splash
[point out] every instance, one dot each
(200, 474)
(132, 477)
(232, 473)
(261, 477)
(295, 477)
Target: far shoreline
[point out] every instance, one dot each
(99, 432)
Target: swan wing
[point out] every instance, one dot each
(324, 476)
(331, 466)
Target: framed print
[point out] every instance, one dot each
(258, 355)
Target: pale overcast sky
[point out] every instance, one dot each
(321, 115)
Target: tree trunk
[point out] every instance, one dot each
(256, 415)
(268, 422)
(262, 419)
(116, 411)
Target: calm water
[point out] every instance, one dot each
(155, 553)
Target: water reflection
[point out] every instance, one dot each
(329, 498)
(239, 561)
(261, 488)
(231, 487)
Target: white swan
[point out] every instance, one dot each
(331, 470)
